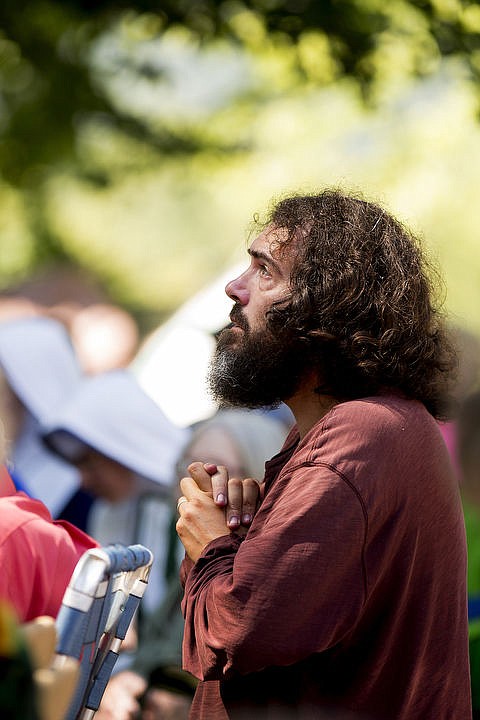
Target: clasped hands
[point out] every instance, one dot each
(212, 505)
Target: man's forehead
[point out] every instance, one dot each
(272, 240)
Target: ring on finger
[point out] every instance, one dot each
(181, 500)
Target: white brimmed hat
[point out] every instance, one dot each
(41, 368)
(39, 362)
(110, 413)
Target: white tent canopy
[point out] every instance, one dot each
(171, 366)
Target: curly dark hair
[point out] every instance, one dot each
(363, 300)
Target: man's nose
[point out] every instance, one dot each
(237, 289)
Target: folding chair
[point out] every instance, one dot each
(99, 604)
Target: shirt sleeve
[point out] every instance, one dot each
(294, 586)
(37, 561)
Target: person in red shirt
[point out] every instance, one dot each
(37, 554)
(345, 596)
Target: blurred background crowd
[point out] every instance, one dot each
(137, 141)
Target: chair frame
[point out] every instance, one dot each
(98, 607)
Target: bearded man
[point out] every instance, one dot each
(345, 596)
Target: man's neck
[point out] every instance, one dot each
(308, 407)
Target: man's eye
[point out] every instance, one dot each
(264, 270)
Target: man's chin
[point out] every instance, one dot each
(230, 336)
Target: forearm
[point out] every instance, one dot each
(242, 599)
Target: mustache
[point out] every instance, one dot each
(237, 317)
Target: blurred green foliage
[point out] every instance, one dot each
(138, 138)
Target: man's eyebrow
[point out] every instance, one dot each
(259, 255)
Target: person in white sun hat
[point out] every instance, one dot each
(125, 449)
(38, 371)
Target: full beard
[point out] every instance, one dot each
(256, 369)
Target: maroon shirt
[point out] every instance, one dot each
(348, 594)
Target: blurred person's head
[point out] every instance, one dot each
(103, 476)
(38, 370)
(12, 308)
(119, 439)
(105, 337)
(242, 440)
(39, 364)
